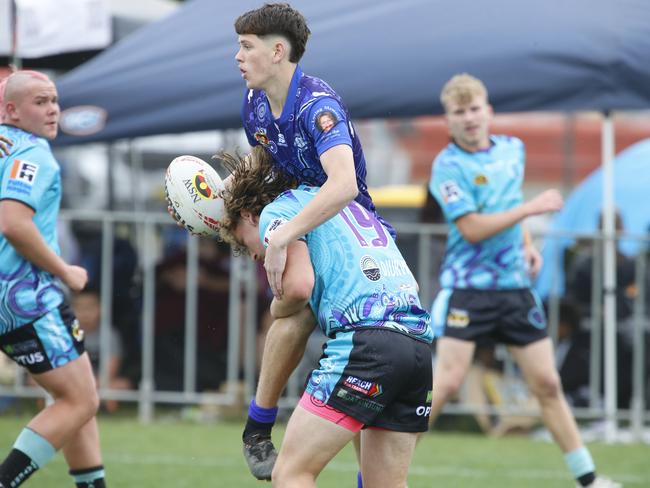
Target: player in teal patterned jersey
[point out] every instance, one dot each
(374, 372)
(37, 327)
(486, 273)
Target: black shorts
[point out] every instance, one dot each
(49, 342)
(513, 317)
(379, 377)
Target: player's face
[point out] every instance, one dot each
(469, 123)
(37, 109)
(247, 234)
(255, 61)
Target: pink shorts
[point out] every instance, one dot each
(315, 406)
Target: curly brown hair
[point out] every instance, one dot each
(254, 184)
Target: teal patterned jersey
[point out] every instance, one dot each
(486, 182)
(361, 279)
(29, 175)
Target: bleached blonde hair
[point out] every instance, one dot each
(461, 89)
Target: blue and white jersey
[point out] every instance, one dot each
(32, 176)
(361, 279)
(313, 120)
(486, 182)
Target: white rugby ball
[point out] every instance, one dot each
(193, 190)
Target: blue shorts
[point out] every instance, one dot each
(49, 342)
(513, 317)
(379, 377)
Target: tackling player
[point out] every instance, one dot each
(375, 369)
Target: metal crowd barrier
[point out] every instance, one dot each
(243, 293)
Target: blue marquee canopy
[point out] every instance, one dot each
(386, 58)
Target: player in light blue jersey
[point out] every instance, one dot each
(486, 272)
(374, 372)
(37, 327)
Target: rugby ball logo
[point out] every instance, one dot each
(192, 188)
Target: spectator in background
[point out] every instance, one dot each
(573, 359)
(212, 317)
(87, 307)
(580, 275)
(37, 327)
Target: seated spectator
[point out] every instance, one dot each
(212, 317)
(580, 267)
(573, 353)
(87, 308)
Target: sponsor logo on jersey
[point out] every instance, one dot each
(363, 402)
(370, 268)
(77, 331)
(480, 180)
(326, 120)
(21, 347)
(273, 226)
(261, 137)
(450, 191)
(24, 171)
(32, 358)
(394, 267)
(536, 318)
(457, 318)
(368, 388)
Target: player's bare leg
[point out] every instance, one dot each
(385, 457)
(453, 360)
(310, 442)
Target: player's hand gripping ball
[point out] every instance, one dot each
(193, 189)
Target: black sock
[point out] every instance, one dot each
(255, 427)
(89, 477)
(16, 468)
(587, 479)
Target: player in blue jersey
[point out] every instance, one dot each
(374, 372)
(282, 110)
(306, 128)
(486, 272)
(37, 327)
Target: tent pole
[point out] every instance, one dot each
(609, 278)
(15, 59)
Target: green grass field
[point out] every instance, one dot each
(175, 454)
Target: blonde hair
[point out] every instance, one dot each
(461, 89)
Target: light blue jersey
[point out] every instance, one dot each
(361, 279)
(29, 175)
(486, 182)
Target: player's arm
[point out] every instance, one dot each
(532, 256)
(476, 227)
(297, 282)
(339, 190)
(294, 322)
(17, 226)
